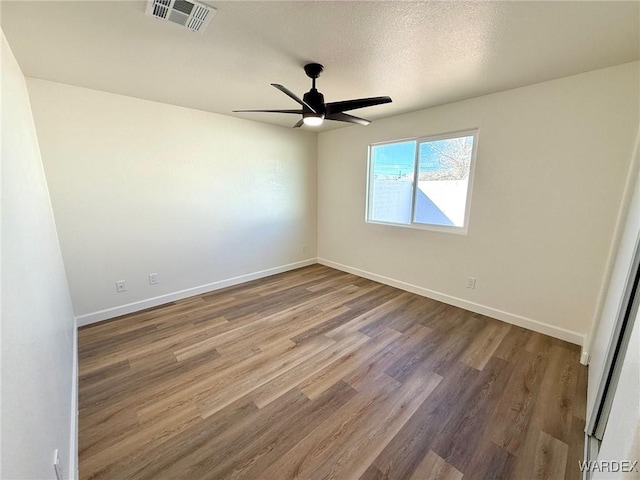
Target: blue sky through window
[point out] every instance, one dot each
(394, 160)
(397, 159)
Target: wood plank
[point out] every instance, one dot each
(575, 452)
(369, 440)
(406, 450)
(322, 380)
(200, 386)
(490, 461)
(465, 428)
(278, 438)
(372, 473)
(551, 458)
(410, 341)
(513, 412)
(369, 316)
(483, 346)
(182, 450)
(580, 397)
(272, 390)
(433, 467)
(146, 391)
(348, 438)
(236, 387)
(553, 411)
(103, 461)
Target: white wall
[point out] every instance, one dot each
(140, 187)
(551, 166)
(37, 317)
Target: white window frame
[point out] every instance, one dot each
(463, 230)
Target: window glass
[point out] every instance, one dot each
(423, 182)
(443, 181)
(391, 182)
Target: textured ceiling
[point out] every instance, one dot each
(420, 53)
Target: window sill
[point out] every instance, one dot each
(421, 226)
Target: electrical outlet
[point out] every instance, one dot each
(121, 286)
(57, 468)
(471, 282)
(304, 248)
(153, 279)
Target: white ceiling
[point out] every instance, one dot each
(420, 53)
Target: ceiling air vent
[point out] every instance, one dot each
(192, 15)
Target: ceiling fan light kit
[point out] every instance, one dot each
(312, 119)
(314, 110)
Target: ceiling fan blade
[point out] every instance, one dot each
(299, 124)
(288, 92)
(299, 112)
(344, 117)
(356, 103)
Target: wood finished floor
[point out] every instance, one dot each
(320, 374)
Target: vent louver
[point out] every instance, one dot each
(192, 15)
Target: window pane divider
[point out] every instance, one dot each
(414, 185)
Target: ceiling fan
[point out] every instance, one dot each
(314, 110)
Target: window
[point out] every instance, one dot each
(439, 199)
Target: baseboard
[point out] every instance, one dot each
(529, 323)
(108, 313)
(73, 441)
(584, 356)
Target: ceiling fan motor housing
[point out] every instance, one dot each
(316, 101)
